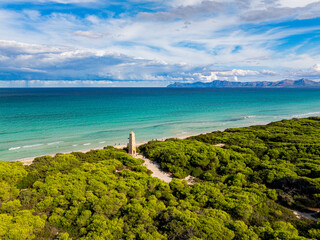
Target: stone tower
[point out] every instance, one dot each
(132, 144)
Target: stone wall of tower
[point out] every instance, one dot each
(132, 144)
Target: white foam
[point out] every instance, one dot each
(34, 145)
(74, 145)
(53, 143)
(250, 116)
(14, 148)
(86, 144)
(102, 142)
(306, 114)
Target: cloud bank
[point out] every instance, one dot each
(154, 43)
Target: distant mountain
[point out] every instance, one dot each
(301, 83)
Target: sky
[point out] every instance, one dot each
(152, 43)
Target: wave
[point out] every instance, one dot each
(305, 115)
(31, 146)
(240, 118)
(86, 144)
(34, 145)
(103, 142)
(74, 145)
(146, 126)
(14, 148)
(53, 143)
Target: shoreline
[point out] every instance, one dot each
(29, 160)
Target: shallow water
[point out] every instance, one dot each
(45, 121)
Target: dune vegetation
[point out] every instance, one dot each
(247, 189)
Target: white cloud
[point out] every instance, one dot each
(183, 40)
(32, 14)
(20, 47)
(178, 3)
(55, 83)
(316, 68)
(33, 61)
(88, 34)
(52, 1)
(231, 75)
(239, 72)
(188, 11)
(4, 58)
(296, 3)
(268, 72)
(310, 73)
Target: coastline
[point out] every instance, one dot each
(29, 160)
(62, 125)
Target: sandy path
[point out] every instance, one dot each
(155, 168)
(311, 216)
(159, 173)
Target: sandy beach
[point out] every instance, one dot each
(29, 160)
(153, 166)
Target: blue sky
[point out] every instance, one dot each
(62, 43)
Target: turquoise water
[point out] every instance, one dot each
(35, 122)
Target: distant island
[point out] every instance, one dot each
(301, 83)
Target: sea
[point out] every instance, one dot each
(41, 121)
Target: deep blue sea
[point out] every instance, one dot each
(41, 121)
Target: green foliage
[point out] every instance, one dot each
(270, 154)
(23, 225)
(185, 157)
(241, 192)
